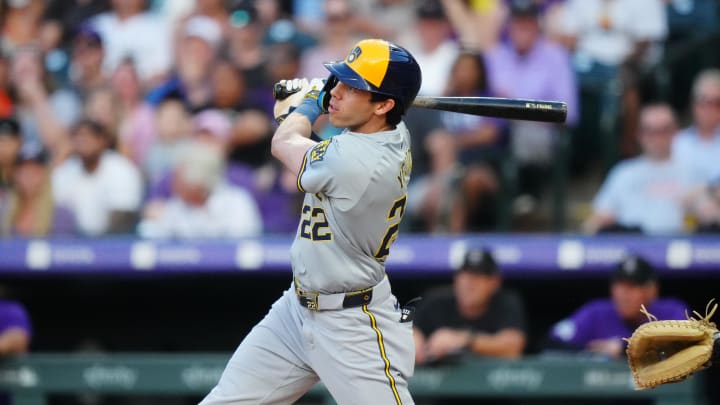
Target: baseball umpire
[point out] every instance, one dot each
(339, 321)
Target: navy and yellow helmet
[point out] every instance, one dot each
(378, 66)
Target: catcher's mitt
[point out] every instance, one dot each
(661, 352)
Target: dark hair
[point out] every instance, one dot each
(482, 87)
(394, 116)
(95, 127)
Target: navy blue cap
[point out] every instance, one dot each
(479, 260)
(524, 8)
(430, 10)
(86, 32)
(635, 270)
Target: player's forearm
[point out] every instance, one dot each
(291, 141)
(506, 343)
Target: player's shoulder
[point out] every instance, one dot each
(598, 307)
(685, 138)
(114, 164)
(670, 305)
(627, 167)
(631, 164)
(508, 298)
(351, 149)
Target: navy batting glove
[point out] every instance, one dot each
(310, 107)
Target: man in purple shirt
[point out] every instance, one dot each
(14, 328)
(527, 65)
(600, 325)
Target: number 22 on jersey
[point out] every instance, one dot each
(394, 216)
(314, 226)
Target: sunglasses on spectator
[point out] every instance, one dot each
(708, 101)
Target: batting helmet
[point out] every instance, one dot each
(381, 67)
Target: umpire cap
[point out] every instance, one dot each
(378, 66)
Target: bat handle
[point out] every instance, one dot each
(280, 92)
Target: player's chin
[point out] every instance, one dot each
(335, 119)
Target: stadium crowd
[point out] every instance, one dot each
(154, 118)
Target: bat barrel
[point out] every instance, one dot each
(515, 109)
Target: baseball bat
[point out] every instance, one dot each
(508, 108)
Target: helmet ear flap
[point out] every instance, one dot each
(324, 96)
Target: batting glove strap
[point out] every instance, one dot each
(310, 107)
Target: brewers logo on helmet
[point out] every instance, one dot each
(378, 66)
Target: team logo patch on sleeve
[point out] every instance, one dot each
(318, 151)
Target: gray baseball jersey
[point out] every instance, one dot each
(355, 185)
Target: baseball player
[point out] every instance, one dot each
(339, 321)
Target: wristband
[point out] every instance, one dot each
(309, 107)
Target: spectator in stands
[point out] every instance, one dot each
(530, 66)
(693, 28)
(599, 325)
(645, 193)
(101, 187)
(387, 19)
(203, 205)
(245, 49)
(215, 10)
(251, 126)
(10, 144)
(337, 36)
(478, 24)
(697, 147)
(613, 42)
(86, 71)
(15, 328)
(44, 112)
(432, 45)
(434, 200)
(63, 17)
(250, 163)
(173, 124)
(476, 315)
(197, 52)
(213, 129)
(459, 193)
(135, 131)
(101, 107)
(6, 102)
(703, 207)
(30, 210)
(229, 88)
(476, 136)
(20, 24)
(131, 31)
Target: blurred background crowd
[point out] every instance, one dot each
(154, 117)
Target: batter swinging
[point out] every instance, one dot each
(339, 321)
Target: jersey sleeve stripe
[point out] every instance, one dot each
(300, 173)
(381, 345)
